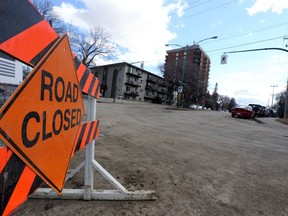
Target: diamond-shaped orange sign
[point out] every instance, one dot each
(41, 119)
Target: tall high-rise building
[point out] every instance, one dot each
(189, 66)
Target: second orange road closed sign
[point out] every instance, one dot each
(41, 119)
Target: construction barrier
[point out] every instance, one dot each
(50, 93)
(26, 36)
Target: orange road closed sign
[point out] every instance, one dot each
(41, 119)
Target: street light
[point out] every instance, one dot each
(215, 37)
(185, 48)
(194, 43)
(273, 86)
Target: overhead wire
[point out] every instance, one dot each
(246, 44)
(139, 25)
(136, 28)
(191, 6)
(205, 11)
(242, 33)
(147, 21)
(251, 31)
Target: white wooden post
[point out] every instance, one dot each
(90, 164)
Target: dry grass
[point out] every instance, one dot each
(283, 120)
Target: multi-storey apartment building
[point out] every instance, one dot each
(130, 82)
(189, 66)
(11, 75)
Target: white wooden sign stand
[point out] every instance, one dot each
(90, 164)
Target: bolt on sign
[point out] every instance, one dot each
(41, 119)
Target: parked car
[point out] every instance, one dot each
(265, 112)
(193, 106)
(243, 112)
(257, 108)
(271, 113)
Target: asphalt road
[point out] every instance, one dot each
(198, 162)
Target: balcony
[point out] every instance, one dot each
(149, 97)
(151, 79)
(132, 83)
(162, 91)
(151, 88)
(136, 74)
(131, 93)
(162, 82)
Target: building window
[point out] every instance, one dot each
(104, 78)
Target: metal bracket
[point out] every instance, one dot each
(90, 164)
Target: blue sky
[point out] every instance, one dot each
(142, 28)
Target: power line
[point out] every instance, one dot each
(252, 31)
(122, 33)
(204, 11)
(194, 6)
(147, 21)
(246, 44)
(144, 22)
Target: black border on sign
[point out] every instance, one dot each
(6, 108)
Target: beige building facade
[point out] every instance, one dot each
(129, 82)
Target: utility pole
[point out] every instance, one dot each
(286, 101)
(273, 86)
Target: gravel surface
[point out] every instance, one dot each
(198, 162)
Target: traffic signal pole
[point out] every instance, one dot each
(263, 49)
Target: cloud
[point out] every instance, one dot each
(178, 7)
(276, 6)
(139, 27)
(71, 14)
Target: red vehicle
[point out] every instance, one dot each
(243, 112)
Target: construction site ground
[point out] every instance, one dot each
(198, 162)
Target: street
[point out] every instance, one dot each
(198, 162)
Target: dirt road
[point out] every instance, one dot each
(198, 162)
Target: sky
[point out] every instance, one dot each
(142, 28)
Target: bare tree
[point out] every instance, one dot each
(231, 104)
(280, 98)
(224, 102)
(215, 97)
(45, 7)
(171, 77)
(89, 45)
(85, 45)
